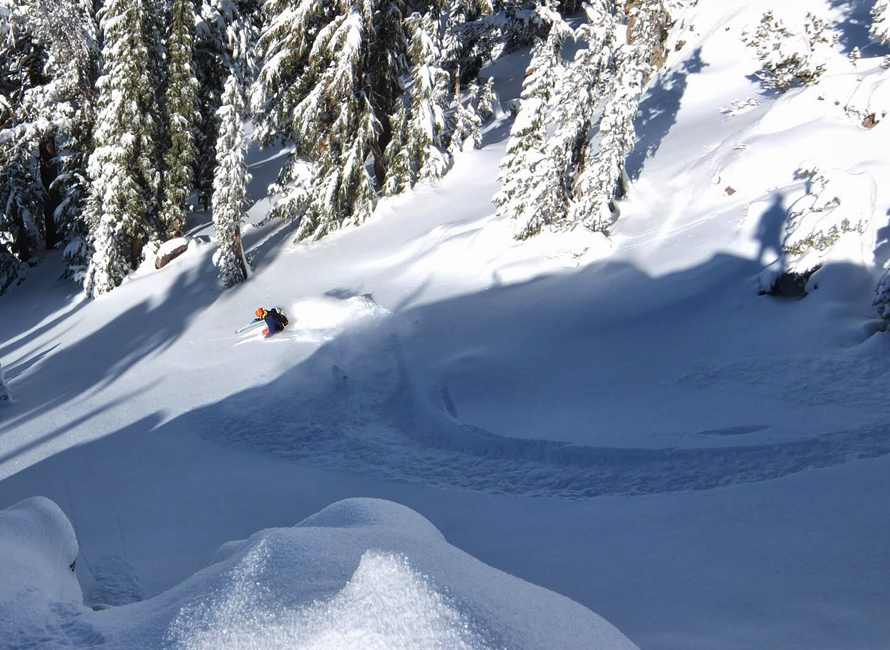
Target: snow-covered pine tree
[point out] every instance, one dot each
(486, 100)
(467, 123)
(577, 99)
(792, 52)
(58, 113)
(46, 52)
(181, 117)
(533, 192)
(419, 151)
(229, 187)
(123, 164)
(880, 20)
(317, 90)
(225, 37)
(21, 203)
(603, 177)
(17, 176)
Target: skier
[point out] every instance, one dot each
(275, 320)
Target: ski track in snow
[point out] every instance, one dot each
(358, 409)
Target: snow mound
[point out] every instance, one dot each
(369, 574)
(365, 574)
(37, 549)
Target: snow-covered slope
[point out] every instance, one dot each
(622, 419)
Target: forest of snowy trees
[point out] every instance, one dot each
(116, 114)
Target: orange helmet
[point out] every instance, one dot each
(259, 312)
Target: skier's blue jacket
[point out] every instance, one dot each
(273, 325)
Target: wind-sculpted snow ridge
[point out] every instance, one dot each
(370, 416)
(365, 574)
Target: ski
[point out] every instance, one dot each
(249, 326)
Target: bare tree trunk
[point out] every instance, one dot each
(21, 244)
(48, 174)
(239, 249)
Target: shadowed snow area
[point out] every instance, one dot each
(380, 400)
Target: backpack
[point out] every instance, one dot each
(279, 316)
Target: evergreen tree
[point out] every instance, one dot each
(229, 187)
(317, 90)
(180, 96)
(880, 20)
(21, 201)
(532, 191)
(225, 36)
(467, 123)
(419, 152)
(67, 113)
(18, 201)
(603, 177)
(123, 164)
(486, 100)
(47, 64)
(794, 53)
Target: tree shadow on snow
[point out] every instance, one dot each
(367, 402)
(99, 359)
(853, 28)
(657, 113)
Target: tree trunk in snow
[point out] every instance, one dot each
(48, 175)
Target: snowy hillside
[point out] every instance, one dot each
(462, 440)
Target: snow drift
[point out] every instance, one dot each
(364, 573)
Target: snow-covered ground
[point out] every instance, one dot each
(623, 421)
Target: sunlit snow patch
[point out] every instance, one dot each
(386, 605)
(335, 311)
